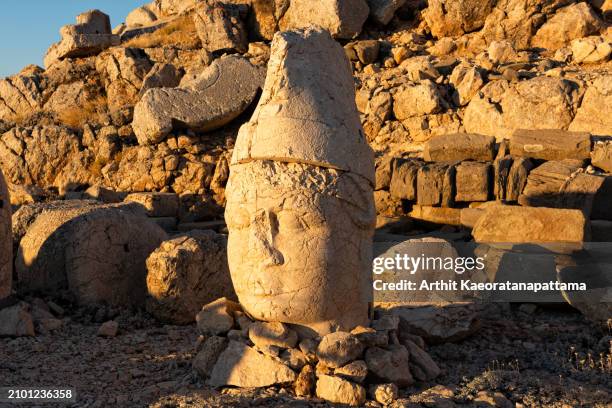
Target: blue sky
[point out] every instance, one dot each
(28, 27)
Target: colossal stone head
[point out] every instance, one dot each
(300, 206)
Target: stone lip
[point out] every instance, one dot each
(307, 111)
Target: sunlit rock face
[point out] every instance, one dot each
(300, 206)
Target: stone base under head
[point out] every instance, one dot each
(300, 243)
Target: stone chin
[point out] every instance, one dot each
(300, 244)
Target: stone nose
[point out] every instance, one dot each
(261, 240)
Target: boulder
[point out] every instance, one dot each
(220, 94)
(219, 27)
(467, 81)
(141, 16)
(422, 365)
(16, 321)
(355, 371)
(242, 366)
(186, 272)
(342, 18)
(545, 182)
(161, 76)
(264, 334)
(365, 51)
(116, 239)
(473, 182)
(513, 224)
(459, 147)
(550, 144)
(20, 96)
(590, 50)
(517, 178)
(305, 382)
(594, 115)
(403, 183)
(438, 323)
(543, 102)
(574, 21)
(6, 241)
(390, 364)
(339, 348)
(207, 357)
(108, 329)
(601, 156)
(91, 35)
(436, 185)
(217, 317)
(422, 98)
(156, 204)
(382, 11)
(339, 391)
(454, 18)
(385, 393)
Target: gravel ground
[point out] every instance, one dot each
(543, 358)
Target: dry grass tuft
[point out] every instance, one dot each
(90, 112)
(180, 32)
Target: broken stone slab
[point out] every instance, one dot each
(418, 99)
(437, 323)
(142, 16)
(186, 272)
(217, 317)
(6, 240)
(207, 357)
(467, 81)
(590, 50)
(501, 176)
(220, 27)
(517, 178)
(355, 371)
(276, 334)
(301, 122)
(221, 93)
(95, 252)
(339, 348)
(515, 224)
(340, 391)
(403, 185)
(91, 35)
(582, 192)
(436, 215)
(550, 144)
(156, 204)
(242, 366)
(545, 182)
(459, 147)
(436, 185)
(382, 11)
(161, 76)
(422, 365)
(473, 182)
(16, 321)
(590, 117)
(390, 364)
(343, 19)
(601, 156)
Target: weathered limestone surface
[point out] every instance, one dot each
(342, 18)
(550, 144)
(185, 273)
(6, 241)
(296, 119)
(513, 224)
(303, 149)
(242, 366)
(403, 183)
(97, 253)
(436, 185)
(91, 35)
(473, 181)
(574, 21)
(450, 18)
(220, 27)
(545, 182)
(340, 391)
(459, 147)
(601, 157)
(595, 113)
(156, 204)
(220, 94)
(382, 11)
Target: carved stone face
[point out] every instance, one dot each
(300, 243)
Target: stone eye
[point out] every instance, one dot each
(289, 221)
